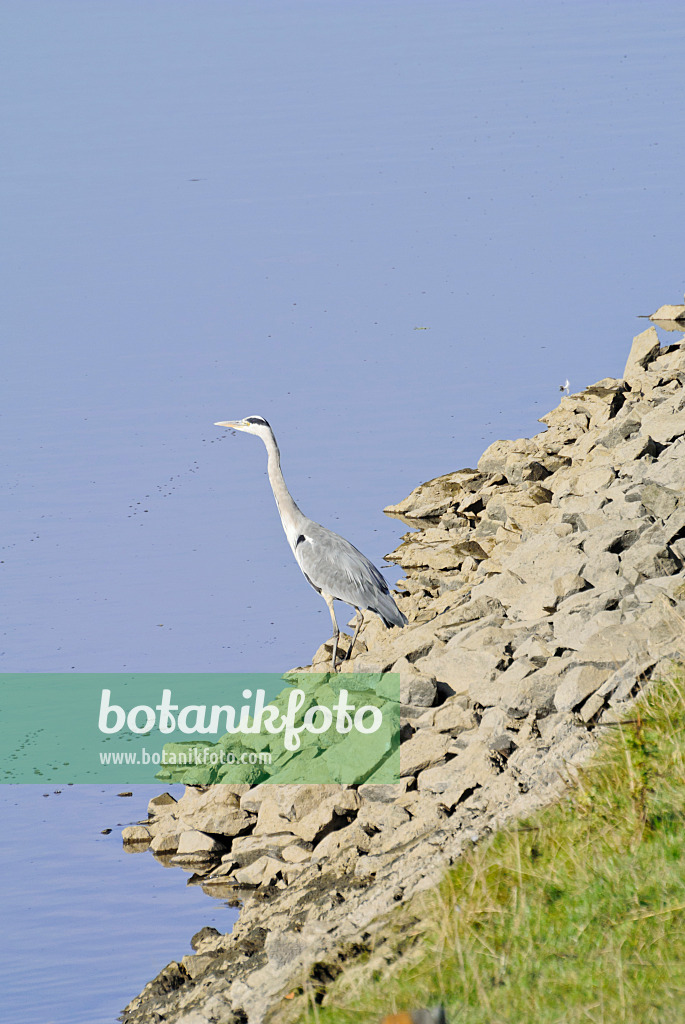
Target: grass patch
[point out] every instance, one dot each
(577, 915)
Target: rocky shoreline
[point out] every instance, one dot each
(543, 589)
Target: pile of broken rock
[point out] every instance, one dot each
(542, 589)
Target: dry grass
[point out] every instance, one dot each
(577, 915)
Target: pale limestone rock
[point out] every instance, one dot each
(494, 458)
(649, 591)
(251, 846)
(545, 557)
(644, 349)
(623, 428)
(494, 720)
(422, 824)
(578, 683)
(521, 517)
(536, 649)
(445, 554)
(671, 362)
(569, 584)
(665, 423)
(554, 726)
(296, 854)
(470, 768)
(622, 683)
(253, 799)
(678, 549)
(383, 793)
(331, 814)
(535, 692)
(649, 560)
(194, 966)
(669, 470)
(657, 631)
(351, 836)
(595, 479)
(660, 501)
(520, 461)
(427, 747)
(416, 687)
(518, 670)
(464, 634)
(374, 816)
(270, 819)
(669, 313)
(136, 834)
(573, 630)
(296, 801)
(411, 642)
(165, 842)
(482, 635)
(572, 414)
(592, 707)
(196, 843)
(607, 535)
(452, 718)
(160, 805)
(485, 692)
(626, 676)
(601, 570)
(216, 810)
(458, 668)
(434, 497)
(263, 871)
(607, 388)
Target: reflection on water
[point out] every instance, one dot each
(86, 925)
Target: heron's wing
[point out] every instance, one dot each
(334, 566)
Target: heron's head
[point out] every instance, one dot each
(250, 425)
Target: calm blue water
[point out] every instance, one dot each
(85, 924)
(392, 228)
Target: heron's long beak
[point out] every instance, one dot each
(232, 424)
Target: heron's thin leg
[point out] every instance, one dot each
(336, 632)
(356, 634)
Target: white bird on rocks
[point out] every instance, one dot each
(333, 566)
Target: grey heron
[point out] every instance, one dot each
(333, 566)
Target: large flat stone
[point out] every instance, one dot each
(578, 683)
(459, 668)
(644, 349)
(195, 843)
(649, 560)
(426, 748)
(669, 313)
(535, 692)
(216, 810)
(435, 496)
(545, 557)
(472, 768)
(657, 631)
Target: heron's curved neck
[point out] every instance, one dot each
(289, 512)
